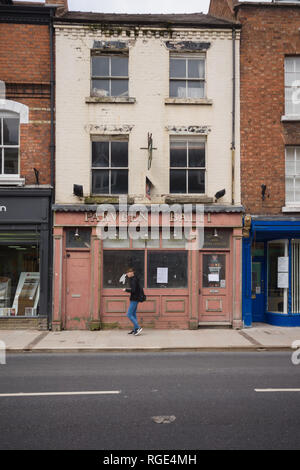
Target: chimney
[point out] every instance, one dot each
(62, 5)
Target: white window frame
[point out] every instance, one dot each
(187, 168)
(109, 77)
(109, 139)
(3, 115)
(295, 87)
(296, 150)
(186, 57)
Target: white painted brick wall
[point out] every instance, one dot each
(149, 85)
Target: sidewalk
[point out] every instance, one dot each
(259, 337)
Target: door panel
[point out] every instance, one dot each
(258, 291)
(214, 287)
(77, 312)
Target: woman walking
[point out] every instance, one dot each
(135, 291)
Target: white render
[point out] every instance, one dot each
(77, 118)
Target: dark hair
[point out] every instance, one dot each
(130, 270)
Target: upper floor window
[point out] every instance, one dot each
(292, 175)
(187, 165)
(109, 75)
(187, 76)
(110, 165)
(9, 143)
(292, 86)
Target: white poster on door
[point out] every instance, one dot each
(162, 276)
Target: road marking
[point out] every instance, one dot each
(45, 394)
(277, 389)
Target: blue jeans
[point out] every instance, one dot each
(131, 314)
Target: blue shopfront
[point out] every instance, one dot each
(271, 271)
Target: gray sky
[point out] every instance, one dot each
(140, 6)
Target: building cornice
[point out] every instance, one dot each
(178, 33)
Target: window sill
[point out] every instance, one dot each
(198, 101)
(295, 208)
(290, 118)
(188, 198)
(14, 180)
(110, 99)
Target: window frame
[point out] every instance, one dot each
(294, 202)
(110, 78)
(187, 79)
(146, 249)
(8, 115)
(109, 139)
(187, 168)
(290, 87)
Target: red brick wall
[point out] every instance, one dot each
(25, 69)
(222, 9)
(268, 34)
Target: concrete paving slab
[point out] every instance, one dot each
(18, 339)
(274, 336)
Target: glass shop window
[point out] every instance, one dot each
(214, 270)
(19, 274)
(115, 264)
(278, 276)
(167, 269)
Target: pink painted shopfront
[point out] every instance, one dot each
(184, 288)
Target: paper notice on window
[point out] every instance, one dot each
(283, 264)
(162, 276)
(283, 280)
(213, 277)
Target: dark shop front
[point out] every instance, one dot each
(25, 254)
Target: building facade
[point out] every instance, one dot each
(147, 112)
(270, 151)
(26, 164)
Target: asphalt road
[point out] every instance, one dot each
(176, 401)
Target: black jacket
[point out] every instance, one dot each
(135, 288)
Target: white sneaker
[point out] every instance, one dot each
(138, 331)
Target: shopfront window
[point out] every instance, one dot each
(116, 263)
(214, 270)
(19, 274)
(295, 286)
(278, 276)
(167, 269)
